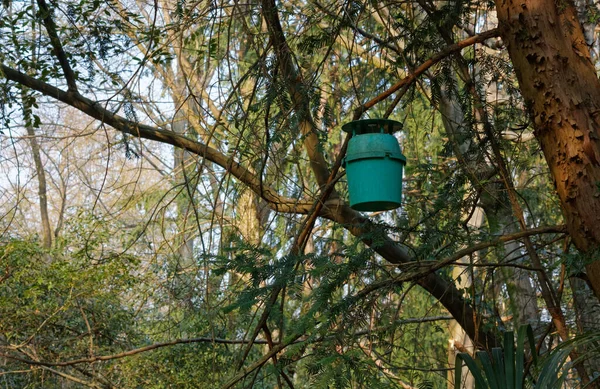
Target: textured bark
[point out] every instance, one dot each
(561, 89)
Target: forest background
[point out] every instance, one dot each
(173, 210)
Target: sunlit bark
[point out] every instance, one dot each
(561, 89)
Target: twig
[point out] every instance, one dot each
(130, 352)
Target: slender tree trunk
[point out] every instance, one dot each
(495, 204)
(522, 296)
(181, 160)
(561, 89)
(459, 340)
(519, 283)
(40, 172)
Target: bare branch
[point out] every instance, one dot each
(73, 378)
(124, 354)
(436, 265)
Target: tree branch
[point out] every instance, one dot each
(429, 267)
(73, 378)
(346, 21)
(426, 65)
(129, 353)
(96, 111)
(297, 90)
(260, 362)
(57, 47)
(103, 358)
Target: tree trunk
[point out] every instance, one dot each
(459, 340)
(495, 204)
(40, 172)
(561, 89)
(183, 166)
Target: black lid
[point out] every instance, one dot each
(372, 126)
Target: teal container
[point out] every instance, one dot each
(374, 165)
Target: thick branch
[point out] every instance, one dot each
(442, 289)
(57, 47)
(95, 110)
(297, 89)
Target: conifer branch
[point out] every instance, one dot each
(425, 66)
(427, 267)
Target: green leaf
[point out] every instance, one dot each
(499, 367)
(509, 361)
(520, 357)
(488, 368)
(480, 382)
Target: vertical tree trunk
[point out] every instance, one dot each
(42, 191)
(459, 340)
(40, 172)
(495, 204)
(181, 160)
(561, 89)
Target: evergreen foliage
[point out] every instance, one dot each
(184, 171)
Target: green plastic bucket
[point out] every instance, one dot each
(374, 165)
